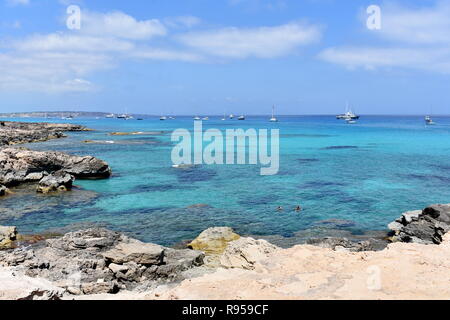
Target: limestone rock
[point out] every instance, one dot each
(15, 286)
(244, 253)
(7, 235)
(426, 227)
(136, 251)
(19, 165)
(58, 181)
(214, 240)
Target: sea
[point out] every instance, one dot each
(354, 178)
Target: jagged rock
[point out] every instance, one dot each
(98, 260)
(7, 236)
(58, 181)
(244, 253)
(18, 165)
(25, 132)
(15, 286)
(340, 244)
(3, 191)
(427, 226)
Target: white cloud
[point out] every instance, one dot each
(17, 2)
(429, 25)
(120, 25)
(417, 39)
(164, 54)
(71, 42)
(262, 42)
(182, 22)
(373, 58)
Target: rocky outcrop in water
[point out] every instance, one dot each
(3, 191)
(98, 260)
(426, 227)
(19, 165)
(25, 132)
(58, 181)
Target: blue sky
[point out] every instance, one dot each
(240, 56)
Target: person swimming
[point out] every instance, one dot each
(298, 208)
(280, 208)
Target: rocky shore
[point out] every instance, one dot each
(219, 264)
(52, 171)
(12, 133)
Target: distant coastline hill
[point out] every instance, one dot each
(52, 114)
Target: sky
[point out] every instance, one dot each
(208, 57)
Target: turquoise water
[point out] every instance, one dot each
(366, 173)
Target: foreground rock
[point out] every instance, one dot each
(402, 271)
(16, 286)
(25, 132)
(213, 242)
(58, 181)
(98, 261)
(7, 236)
(427, 226)
(19, 165)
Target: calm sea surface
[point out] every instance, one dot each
(362, 175)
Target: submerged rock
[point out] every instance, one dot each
(58, 181)
(19, 165)
(98, 260)
(426, 227)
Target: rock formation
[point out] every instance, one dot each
(25, 132)
(7, 236)
(18, 165)
(97, 261)
(427, 226)
(58, 181)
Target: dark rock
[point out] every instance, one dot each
(427, 226)
(25, 132)
(344, 244)
(98, 260)
(19, 165)
(58, 181)
(3, 191)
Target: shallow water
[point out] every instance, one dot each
(367, 174)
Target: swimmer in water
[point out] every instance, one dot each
(298, 208)
(280, 208)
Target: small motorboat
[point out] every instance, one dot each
(241, 118)
(162, 118)
(205, 119)
(231, 116)
(197, 118)
(429, 121)
(350, 121)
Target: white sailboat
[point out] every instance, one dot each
(429, 121)
(273, 119)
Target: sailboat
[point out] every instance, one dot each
(273, 119)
